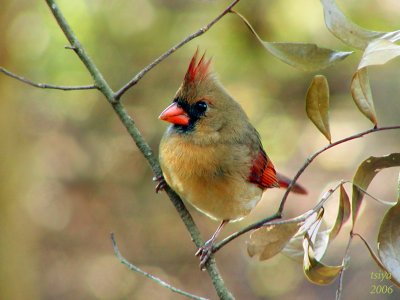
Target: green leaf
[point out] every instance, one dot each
(364, 175)
(270, 240)
(315, 271)
(343, 213)
(389, 241)
(317, 104)
(345, 30)
(303, 56)
(362, 95)
(379, 52)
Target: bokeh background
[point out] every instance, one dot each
(70, 174)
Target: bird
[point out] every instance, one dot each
(211, 155)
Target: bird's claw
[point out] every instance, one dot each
(161, 185)
(204, 253)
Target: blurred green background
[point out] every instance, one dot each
(70, 174)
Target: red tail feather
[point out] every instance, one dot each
(264, 175)
(285, 181)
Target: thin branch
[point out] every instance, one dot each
(279, 213)
(148, 275)
(128, 122)
(46, 85)
(273, 220)
(98, 78)
(313, 156)
(345, 264)
(194, 35)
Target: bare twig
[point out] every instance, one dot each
(148, 275)
(313, 156)
(345, 264)
(128, 122)
(46, 85)
(99, 80)
(199, 32)
(279, 213)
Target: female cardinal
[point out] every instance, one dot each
(211, 155)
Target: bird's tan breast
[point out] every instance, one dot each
(212, 179)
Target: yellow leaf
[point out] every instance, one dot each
(343, 213)
(315, 271)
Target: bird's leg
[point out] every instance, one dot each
(205, 251)
(161, 183)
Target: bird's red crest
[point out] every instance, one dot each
(198, 70)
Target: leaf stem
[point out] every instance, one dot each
(388, 203)
(314, 155)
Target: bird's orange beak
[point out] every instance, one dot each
(174, 115)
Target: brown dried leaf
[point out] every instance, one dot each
(362, 95)
(317, 104)
(270, 240)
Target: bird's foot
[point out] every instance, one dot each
(204, 253)
(161, 185)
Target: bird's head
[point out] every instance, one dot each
(201, 104)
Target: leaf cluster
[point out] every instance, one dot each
(302, 238)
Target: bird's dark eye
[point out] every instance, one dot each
(201, 106)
